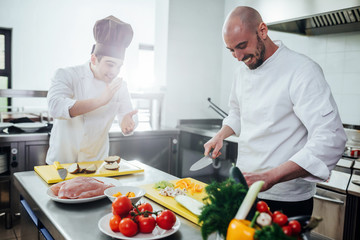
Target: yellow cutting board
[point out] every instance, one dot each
(50, 174)
(171, 203)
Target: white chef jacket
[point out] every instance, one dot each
(85, 137)
(282, 111)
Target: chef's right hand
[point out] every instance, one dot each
(110, 89)
(215, 143)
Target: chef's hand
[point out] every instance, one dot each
(110, 89)
(252, 177)
(285, 172)
(127, 124)
(215, 143)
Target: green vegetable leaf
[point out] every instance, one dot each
(271, 232)
(221, 204)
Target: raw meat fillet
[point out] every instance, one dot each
(80, 187)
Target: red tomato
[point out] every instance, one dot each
(114, 223)
(145, 207)
(134, 212)
(295, 227)
(166, 219)
(275, 213)
(281, 219)
(128, 227)
(122, 206)
(262, 206)
(146, 224)
(287, 230)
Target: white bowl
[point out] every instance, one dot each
(139, 192)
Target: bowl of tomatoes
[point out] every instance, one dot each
(133, 193)
(138, 221)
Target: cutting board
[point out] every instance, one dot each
(171, 203)
(50, 174)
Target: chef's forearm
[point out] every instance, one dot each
(287, 171)
(84, 106)
(225, 132)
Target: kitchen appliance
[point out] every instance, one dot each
(309, 17)
(193, 135)
(337, 200)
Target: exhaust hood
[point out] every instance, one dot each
(309, 17)
(344, 20)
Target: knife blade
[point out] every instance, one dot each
(61, 171)
(203, 162)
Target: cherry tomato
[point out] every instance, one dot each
(122, 206)
(134, 212)
(281, 219)
(287, 230)
(146, 224)
(128, 227)
(114, 223)
(145, 207)
(262, 206)
(275, 213)
(166, 219)
(295, 227)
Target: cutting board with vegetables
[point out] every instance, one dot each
(170, 202)
(50, 174)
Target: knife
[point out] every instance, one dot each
(61, 171)
(203, 162)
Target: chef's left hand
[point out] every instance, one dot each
(127, 124)
(252, 177)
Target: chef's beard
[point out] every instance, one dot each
(260, 55)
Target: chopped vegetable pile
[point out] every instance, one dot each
(163, 184)
(128, 194)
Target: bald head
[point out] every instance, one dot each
(243, 17)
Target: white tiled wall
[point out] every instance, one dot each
(339, 57)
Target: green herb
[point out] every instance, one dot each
(163, 184)
(221, 204)
(271, 232)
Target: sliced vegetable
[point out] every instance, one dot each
(190, 186)
(191, 204)
(163, 184)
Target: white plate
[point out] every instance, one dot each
(83, 200)
(158, 233)
(30, 126)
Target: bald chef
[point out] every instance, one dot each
(83, 100)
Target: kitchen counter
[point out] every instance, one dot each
(115, 132)
(79, 221)
(204, 127)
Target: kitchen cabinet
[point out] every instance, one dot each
(157, 149)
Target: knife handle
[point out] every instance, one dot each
(57, 165)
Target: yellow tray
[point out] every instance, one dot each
(50, 174)
(171, 203)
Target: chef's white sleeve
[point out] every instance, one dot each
(313, 103)
(233, 120)
(60, 95)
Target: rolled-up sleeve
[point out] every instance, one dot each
(233, 120)
(60, 95)
(315, 107)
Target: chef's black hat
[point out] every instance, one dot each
(112, 37)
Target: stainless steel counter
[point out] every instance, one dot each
(79, 221)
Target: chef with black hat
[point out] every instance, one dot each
(83, 100)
